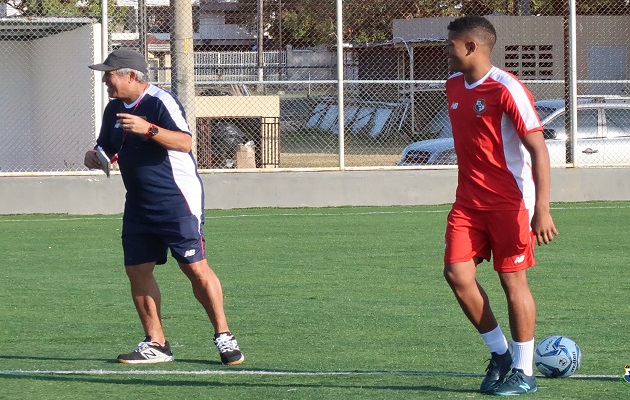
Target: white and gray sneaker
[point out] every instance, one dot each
(148, 352)
(228, 349)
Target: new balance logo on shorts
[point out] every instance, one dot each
(519, 259)
(189, 253)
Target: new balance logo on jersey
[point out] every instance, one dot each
(519, 259)
(454, 106)
(189, 253)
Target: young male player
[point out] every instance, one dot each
(502, 200)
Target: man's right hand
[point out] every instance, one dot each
(91, 160)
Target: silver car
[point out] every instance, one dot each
(603, 134)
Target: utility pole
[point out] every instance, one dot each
(183, 62)
(142, 28)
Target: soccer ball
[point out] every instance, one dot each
(557, 356)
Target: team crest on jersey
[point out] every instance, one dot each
(480, 106)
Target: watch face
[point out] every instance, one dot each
(154, 130)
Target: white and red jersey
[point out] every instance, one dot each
(489, 117)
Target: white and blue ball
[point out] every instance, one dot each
(557, 356)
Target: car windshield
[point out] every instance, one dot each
(440, 124)
(543, 112)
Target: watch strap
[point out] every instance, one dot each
(152, 131)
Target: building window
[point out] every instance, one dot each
(529, 61)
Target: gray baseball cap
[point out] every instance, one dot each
(122, 58)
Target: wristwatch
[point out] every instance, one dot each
(152, 131)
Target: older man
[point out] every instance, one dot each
(145, 129)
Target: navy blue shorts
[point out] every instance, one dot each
(149, 242)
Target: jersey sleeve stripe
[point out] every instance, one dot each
(174, 108)
(521, 100)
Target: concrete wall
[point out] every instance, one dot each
(92, 193)
(46, 102)
(310, 64)
(510, 31)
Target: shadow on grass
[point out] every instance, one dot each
(164, 378)
(167, 369)
(34, 358)
(161, 382)
(172, 378)
(103, 360)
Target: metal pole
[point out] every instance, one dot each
(572, 106)
(340, 97)
(142, 27)
(261, 33)
(280, 64)
(412, 99)
(104, 51)
(280, 22)
(183, 62)
(104, 27)
(525, 7)
(568, 152)
(412, 94)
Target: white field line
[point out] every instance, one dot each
(307, 214)
(263, 373)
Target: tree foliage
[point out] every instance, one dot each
(308, 23)
(583, 7)
(61, 8)
(371, 21)
(312, 23)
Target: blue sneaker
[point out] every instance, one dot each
(517, 383)
(497, 369)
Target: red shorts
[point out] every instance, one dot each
(475, 233)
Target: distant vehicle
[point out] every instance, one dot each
(603, 136)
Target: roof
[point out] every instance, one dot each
(154, 43)
(29, 28)
(210, 5)
(149, 3)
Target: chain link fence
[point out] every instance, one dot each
(258, 78)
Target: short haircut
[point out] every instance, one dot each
(140, 77)
(478, 26)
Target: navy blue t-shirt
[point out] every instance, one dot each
(162, 185)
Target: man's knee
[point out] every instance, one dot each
(139, 272)
(449, 275)
(515, 283)
(461, 274)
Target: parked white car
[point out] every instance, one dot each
(603, 134)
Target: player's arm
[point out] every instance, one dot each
(170, 140)
(542, 223)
